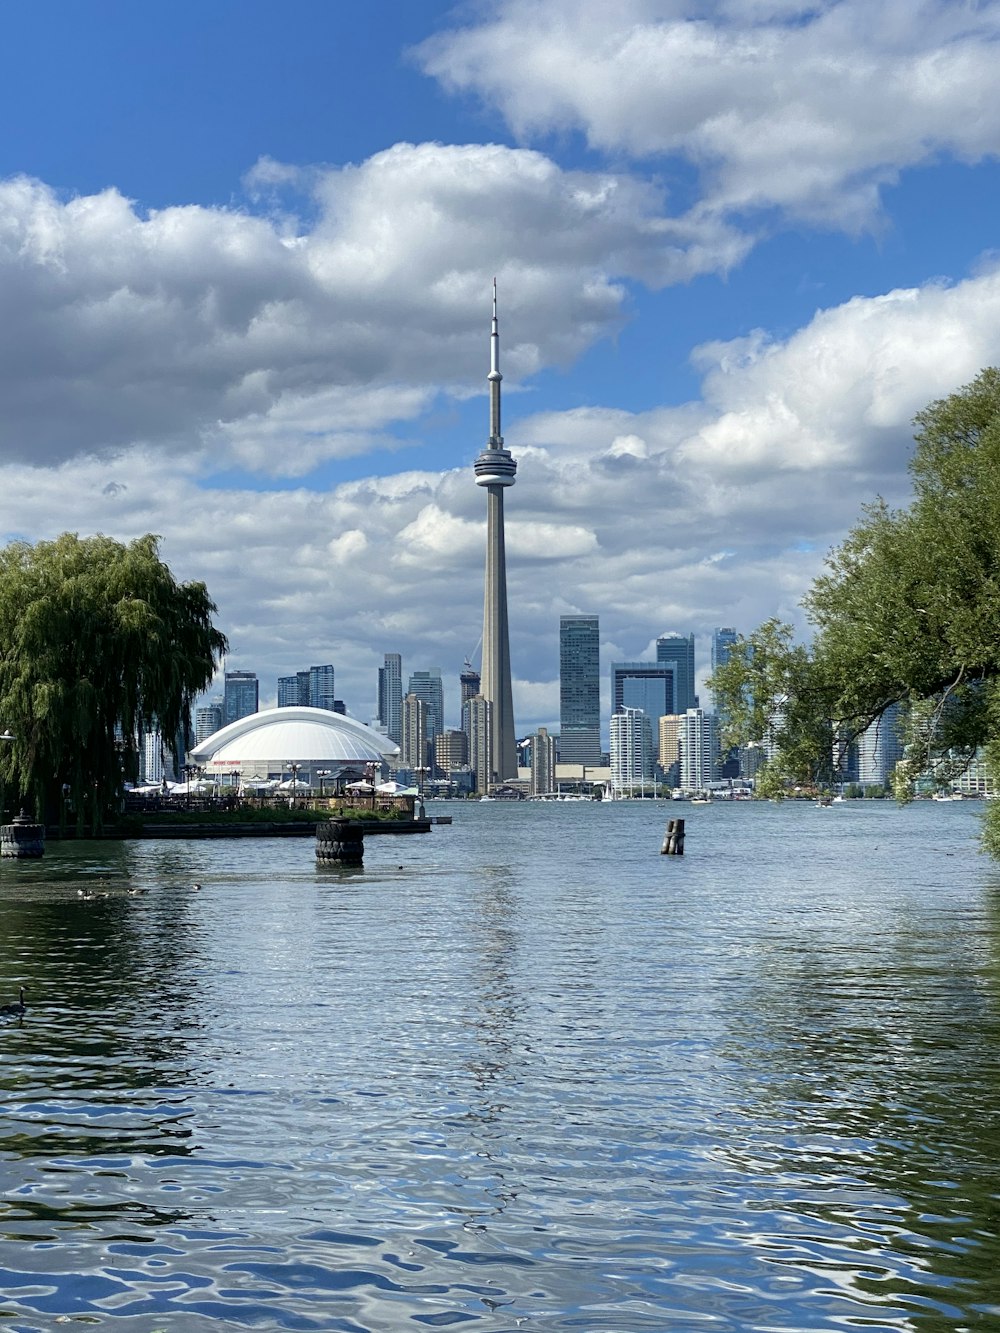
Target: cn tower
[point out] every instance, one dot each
(495, 470)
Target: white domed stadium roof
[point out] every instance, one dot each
(278, 737)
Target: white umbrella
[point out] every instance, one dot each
(359, 786)
(396, 789)
(293, 784)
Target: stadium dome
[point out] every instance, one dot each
(266, 744)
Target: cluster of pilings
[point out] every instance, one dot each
(340, 842)
(673, 839)
(23, 839)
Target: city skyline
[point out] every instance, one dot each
(728, 284)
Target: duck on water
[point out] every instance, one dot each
(14, 1010)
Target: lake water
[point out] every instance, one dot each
(521, 1073)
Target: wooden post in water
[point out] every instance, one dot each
(673, 839)
(340, 842)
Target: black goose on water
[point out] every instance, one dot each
(14, 1010)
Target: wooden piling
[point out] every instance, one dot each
(673, 839)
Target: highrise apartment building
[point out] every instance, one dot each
(414, 746)
(390, 696)
(207, 721)
(543, 762)
(631, 749)
(669, 748)
(293, 690)
(677, 650)
(481, 741)
(321, 690)
(451, 751)
(241, 695)
(427, 685)
(880, 749)
(699, 750)
(579, 690)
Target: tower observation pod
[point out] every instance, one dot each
(495, 470)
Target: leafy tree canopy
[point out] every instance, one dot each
(908, 612)
(97, 642)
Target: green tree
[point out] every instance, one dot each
(97, 640)
(908, 612)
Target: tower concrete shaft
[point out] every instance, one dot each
(495, 470)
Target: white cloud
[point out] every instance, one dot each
(279, 345)
(809, 107)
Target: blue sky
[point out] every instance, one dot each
(245, 264)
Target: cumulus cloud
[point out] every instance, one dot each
(715, 512)
(279, 345)
(806, 107)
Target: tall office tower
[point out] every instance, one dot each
(288, 691)
(669, 749)
(481, 741)
(427, 685)
(495, 470)
(414, 744)
(579, 690)
(699, 749)
(321, 691)
(390, 696)
(646, 685)
(543, 763)
(723, 639)
(207, 721)
(152, 756)
(880, 749)
(631, 749)
(241, 695)
(678, 649)
(451, 751)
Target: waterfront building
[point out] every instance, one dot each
(699, 750)
(579, 690)
(207, 720)
(495, 470)
(481, 733)
(880, 749)
(390, 696)
(631, 749)
(241, 696)
(669, 748)
(415, 747)
(543, 763)
(678, 651)
(324, 746)
(428, 686)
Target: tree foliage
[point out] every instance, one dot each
(907, 612)
(98, 642)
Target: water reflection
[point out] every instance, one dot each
(521, 1073)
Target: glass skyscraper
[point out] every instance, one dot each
(241, 695)
(579, 690)
(390, 696)
(678, 650)
(428, 686)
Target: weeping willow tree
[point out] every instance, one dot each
(98, 642)
(907, 613)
